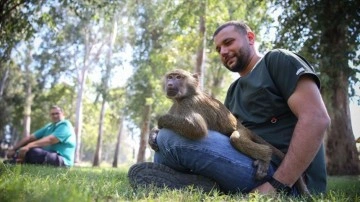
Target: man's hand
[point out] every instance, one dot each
(265, 189)
(11, 153)
(152, 139)
(22, 152)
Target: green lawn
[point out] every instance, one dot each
(78, 184)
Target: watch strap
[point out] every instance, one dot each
(280, 187)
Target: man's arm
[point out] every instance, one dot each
(22, 142)
(45, 141)
(313, 120)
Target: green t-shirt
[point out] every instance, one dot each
(259, 101)
(64, 132)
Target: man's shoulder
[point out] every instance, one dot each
(233, 84)
(278, 53)
(64, 122)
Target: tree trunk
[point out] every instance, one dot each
(79, 109)
(27, 110)
(81, 79)
(117, 148)
(28, 94)
(200, 55)
(97, 156)
(3, 80)
(341, 151)
(144, 133)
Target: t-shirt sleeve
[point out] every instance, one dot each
(286, 68)
(41, 132)
(62, 131)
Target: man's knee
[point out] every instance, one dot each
(167, 137)
(35, 156)
(34, 152)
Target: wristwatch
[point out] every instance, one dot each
(280, 187)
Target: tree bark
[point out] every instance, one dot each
(200, 55)
(4, 78)
(342, 155)
(28, 94)
(79, 109)
(144, 133)
(97, 155)
(341, 151)
(117, 148)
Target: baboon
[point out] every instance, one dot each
(194, 112)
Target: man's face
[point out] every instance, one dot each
(234, 49)
(56, 115)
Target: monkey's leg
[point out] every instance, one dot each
(302, 187)
(261, 153)
(300, 183)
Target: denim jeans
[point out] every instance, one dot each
(41, 156)
(212, 156)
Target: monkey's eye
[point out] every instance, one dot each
(178, 77)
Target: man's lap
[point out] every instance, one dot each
(41, 156)
(212, 156)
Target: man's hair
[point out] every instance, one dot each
(239, 26)
(56, 107)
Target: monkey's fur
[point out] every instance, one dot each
(194, 112)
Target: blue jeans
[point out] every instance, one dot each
(212, 156)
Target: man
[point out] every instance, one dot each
(277, 96)
(54, 144)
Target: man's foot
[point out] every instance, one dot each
(10, 161)
(158, 175)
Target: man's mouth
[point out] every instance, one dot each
(229, 61)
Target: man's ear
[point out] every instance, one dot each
(251, 37)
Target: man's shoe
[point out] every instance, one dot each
(158, 175)
(9, 161)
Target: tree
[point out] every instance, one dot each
(105, 85)
(176, 39)
(327, 33)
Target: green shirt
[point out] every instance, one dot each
(259, 101)
(64, 132)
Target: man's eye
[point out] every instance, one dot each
(228, 42)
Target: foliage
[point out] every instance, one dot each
(171, 40)
(109, 184)
(55, 34)
(16, 18)
(302, 28)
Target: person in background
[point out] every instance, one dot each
(54, 144)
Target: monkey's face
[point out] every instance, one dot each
(180, 84)
(174, 86)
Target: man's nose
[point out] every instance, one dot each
(223, 51)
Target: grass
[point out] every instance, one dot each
(81, 184)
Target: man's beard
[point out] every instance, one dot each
(242, 60)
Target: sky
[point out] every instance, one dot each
(355, 119)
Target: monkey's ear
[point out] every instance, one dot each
(196, 76)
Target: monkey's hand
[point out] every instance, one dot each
(152, 139)
(262, 168)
